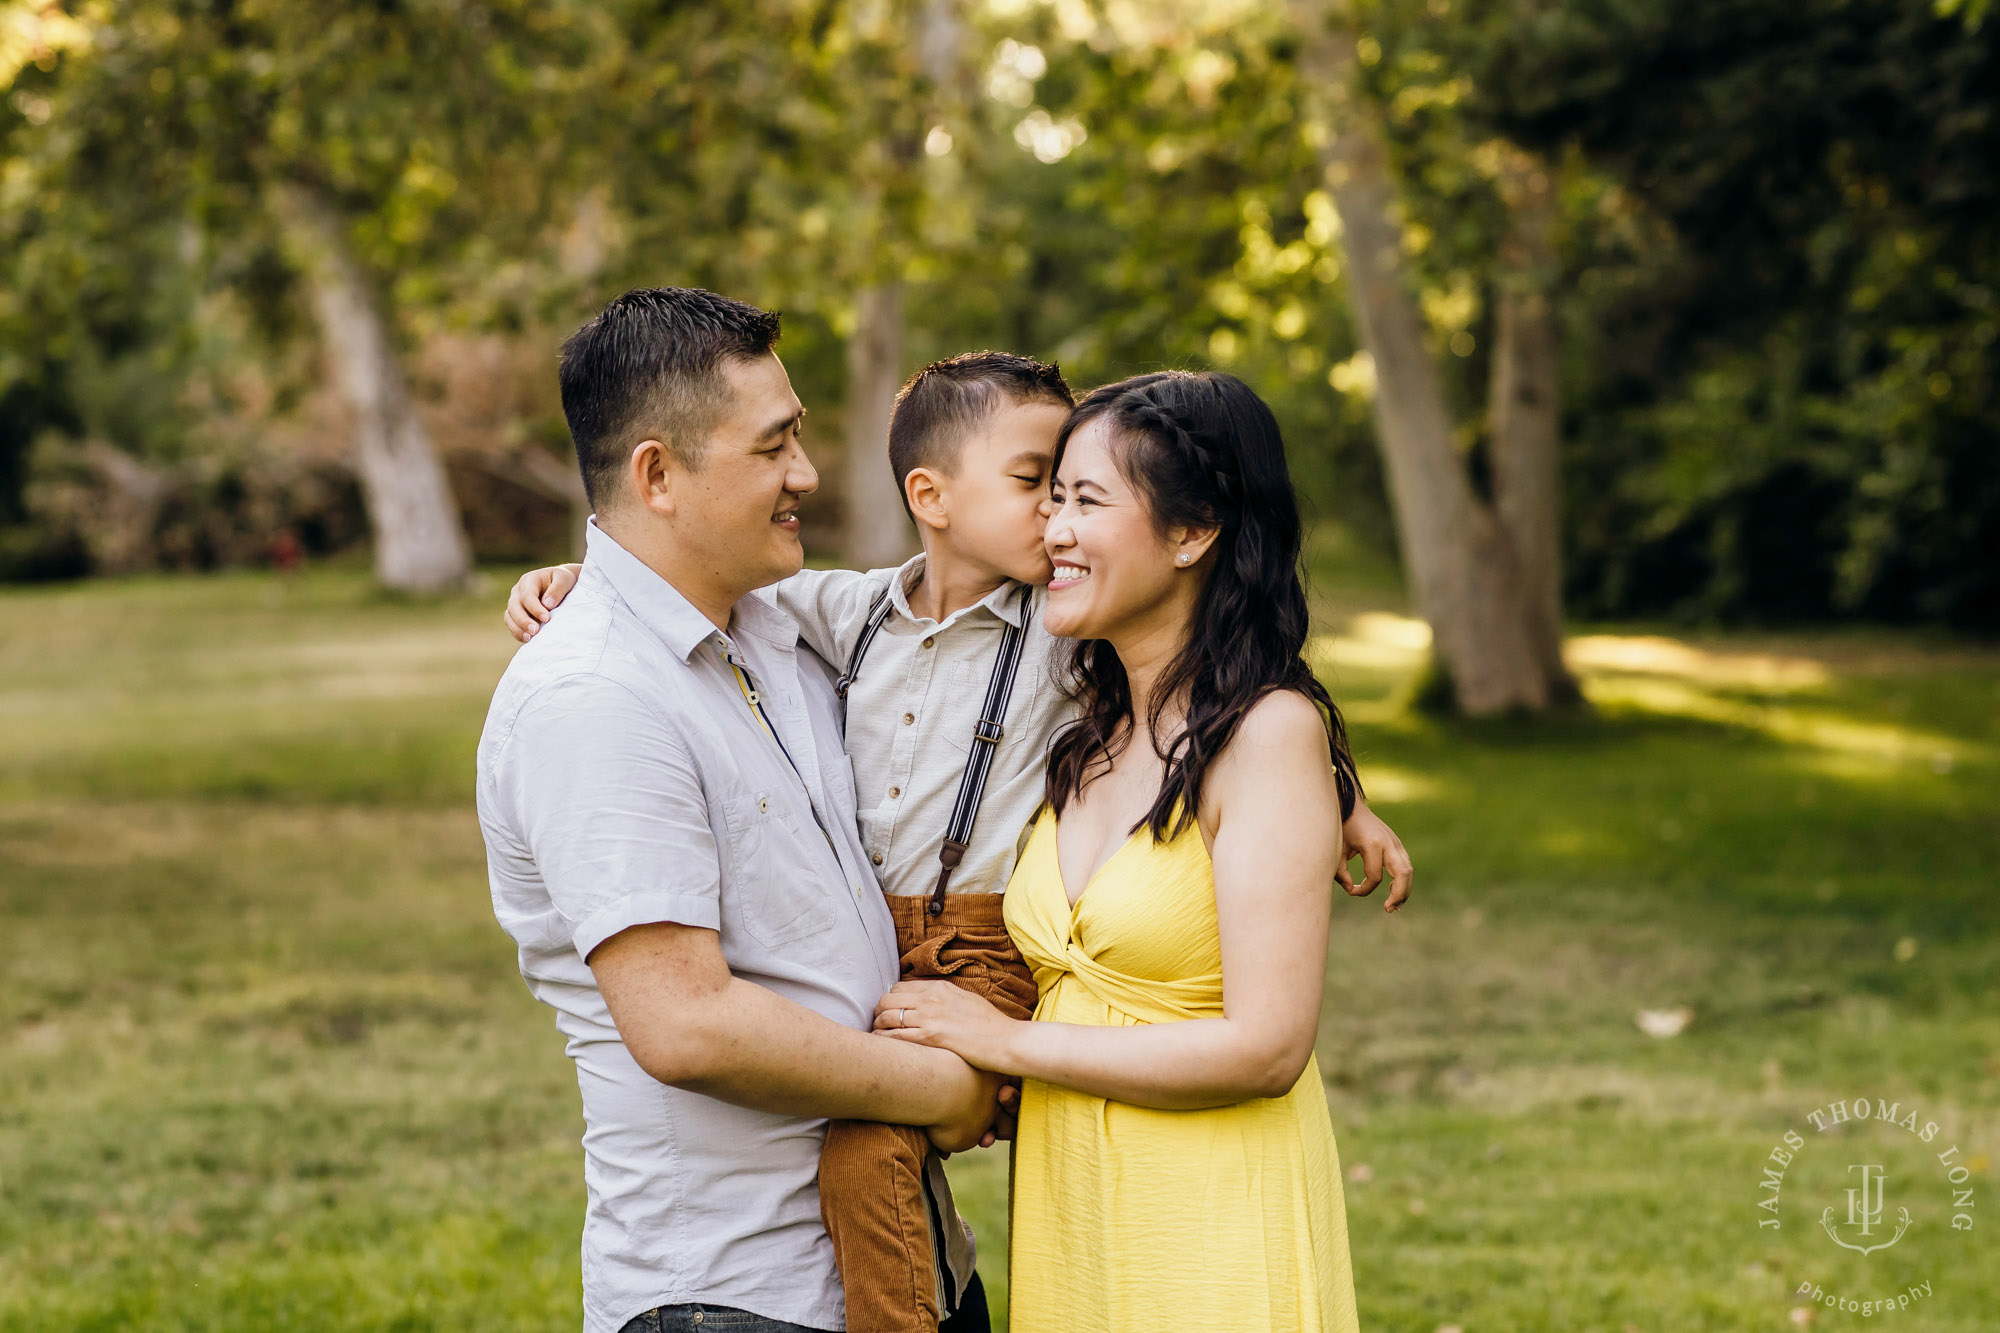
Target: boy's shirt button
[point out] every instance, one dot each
(876, 858)
(895, 792)
(931, 642)
(909, 718)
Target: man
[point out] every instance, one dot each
(670, 832)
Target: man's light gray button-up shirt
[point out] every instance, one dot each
(625, 779)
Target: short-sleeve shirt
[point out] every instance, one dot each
(639, 766)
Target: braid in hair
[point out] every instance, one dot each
(1167, 428)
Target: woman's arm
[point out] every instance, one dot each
(1276, 839)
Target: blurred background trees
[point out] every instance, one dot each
(1623, 308)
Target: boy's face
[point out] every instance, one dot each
(999, 491)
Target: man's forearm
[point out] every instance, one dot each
(691, 1023)
(746, 1045)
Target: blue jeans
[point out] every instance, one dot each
(707, 1319)
(971, 1318)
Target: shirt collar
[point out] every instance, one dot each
(665, 611)
(1004, 601)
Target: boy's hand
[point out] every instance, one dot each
(1381, 851)
(539, 592)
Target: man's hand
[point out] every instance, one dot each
(538, 592)
(1008, 1116)
(973, 1129)
(1381, 852)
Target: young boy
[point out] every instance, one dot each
(927, 666)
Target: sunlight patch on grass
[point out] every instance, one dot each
(1813, 728)
(1656, 655)
(1388, 785)
(1374, 641)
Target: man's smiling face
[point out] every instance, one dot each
(743, 498)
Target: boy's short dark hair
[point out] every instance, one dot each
(650, 364)
(942, 402)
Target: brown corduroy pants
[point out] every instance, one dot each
(871, 1176)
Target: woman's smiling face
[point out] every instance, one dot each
(1111, 566)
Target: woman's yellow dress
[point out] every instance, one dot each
(1127, 1219)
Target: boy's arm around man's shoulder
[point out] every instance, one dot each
(831, 606)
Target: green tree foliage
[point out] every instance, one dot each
(1775, 227)
(143, 168)
(1786, 397)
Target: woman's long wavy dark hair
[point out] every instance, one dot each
(1202, 450)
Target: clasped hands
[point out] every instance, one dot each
(937, 1013)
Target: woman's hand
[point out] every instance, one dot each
(937, 1013)
(1381, 852)
(539, 592)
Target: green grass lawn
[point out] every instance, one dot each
(265, 1061)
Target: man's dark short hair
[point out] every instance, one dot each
(938, 409)
(650, 366)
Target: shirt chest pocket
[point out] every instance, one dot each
(778, 896)
(970, 681)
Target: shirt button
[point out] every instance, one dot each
(928, 643)
(895, 792)
(909, 718)
(876, 858)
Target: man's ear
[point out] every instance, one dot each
(652, 470)
(923, 490)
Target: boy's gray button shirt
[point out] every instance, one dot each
(623, 780)
(910, 715)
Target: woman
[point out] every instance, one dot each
(1174, 1163)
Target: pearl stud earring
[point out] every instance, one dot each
(1181, 559)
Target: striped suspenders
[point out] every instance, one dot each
(986, 733)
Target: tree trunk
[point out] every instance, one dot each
(1459, 558)
(878, 531)
(560, 482)
(530, 467)
(1524, 408)
(420, 543)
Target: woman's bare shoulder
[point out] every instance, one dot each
(1277, 767)
(1281, 743)
(1283, 722)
